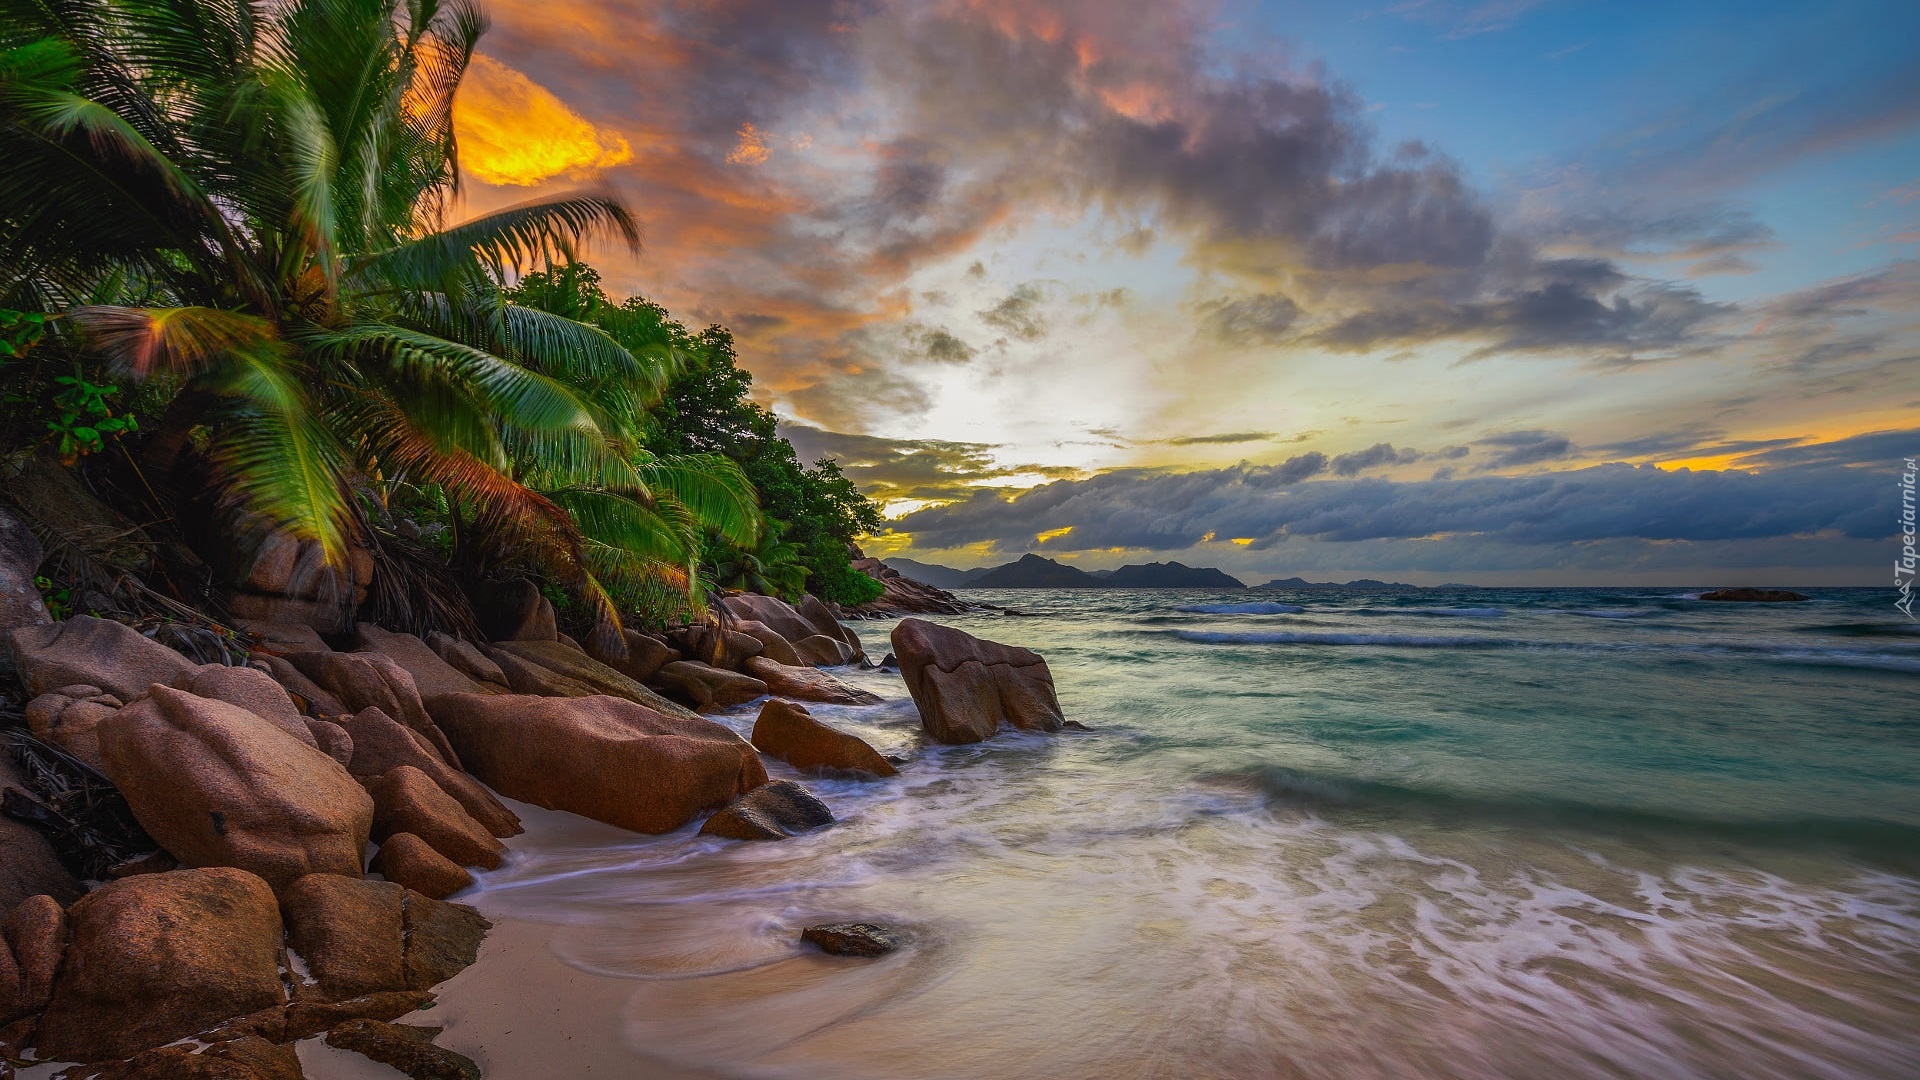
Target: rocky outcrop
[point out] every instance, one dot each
(86, 651)
(279, 639)
(348, 931)
(69, 717)
(332, 739)
(572, 673)
(252, 690)
(307, 695)
(772, 646)
(157, 957)
(380, 745)
(790, 733)
(708, 689)
(20, 602)
(442, 940)
(406, 800)
(713, 645)
(217, 786)
(371, 680)
(901, 595)
(36, 933)
(288, 580)
(965, 687)
(643, 656)
(431, 674)
(466, 658)
(823, 651)
(411, 861)
(601, 757)
(28, 866)
(1755, 596)
(405, 1047)
(773, 811)
(806, 684)
(809, 618)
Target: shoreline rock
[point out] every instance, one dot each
(965, 687)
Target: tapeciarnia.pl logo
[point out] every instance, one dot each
(1903, 567)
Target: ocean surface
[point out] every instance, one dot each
(1445, 833)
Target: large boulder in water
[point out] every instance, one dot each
(601, 757)
(153, 958)
(790, 733)
(772, 811)
(965, 686)
(216, 785)
(92, 652)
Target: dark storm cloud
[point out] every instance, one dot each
(1811, 490)
(1018, 314)
(1514, 448)
(1373, 457)
(1260, 319)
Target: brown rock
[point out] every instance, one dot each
(217, 786)
(254, 691)
(265, 1060)
(406, 800)
(92, 652)
(513, 611)
(714, 646)
(69, 718)
(380, 744)
(806, 684)
(28, 866)
(577, 668)
(601, 757)
(771, 612)
(305, 1019)
(773, 811)
(161, 956)
(527, 677)
(363, 680)
(411, 861)
(772, 645)
(823, 651)
(332, 739)
(826, 621)
(790, 733)
(279, 639)
(305, 693)
(187, 1063)
(36, 933)
(965, 686)
(644, 656)
(348, 931)
(852, 939)
(153, 862)
(708, 688)
(409, 1049)
(466, 658)
(431, 674)
(442, 939)
(1755, 596)
(11, 1005)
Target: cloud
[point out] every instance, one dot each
(1226, 439)
(1018, 314)
(1802, 492)
(919, 469)
(1373, 457)
(1263, 318)
(1513, 448)
(513, 131)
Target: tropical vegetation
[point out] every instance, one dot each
(229, 255)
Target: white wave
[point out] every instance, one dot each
(1228, 637)
(1242, 609)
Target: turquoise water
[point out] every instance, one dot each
(1475, 833)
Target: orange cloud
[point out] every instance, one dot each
(513, 131)
(752, 149)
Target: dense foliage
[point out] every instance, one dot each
(243, 211)
(707, 409)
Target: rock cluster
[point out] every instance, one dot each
(1755, 596)
(266, 785)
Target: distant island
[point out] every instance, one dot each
(1357, 583)
(1037, 572)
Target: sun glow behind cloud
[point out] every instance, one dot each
(513, 131)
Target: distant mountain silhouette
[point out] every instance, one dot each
(940, 577)
(1171, 575)
(1033, 572)
(1357, 583)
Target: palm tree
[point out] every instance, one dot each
(252, 202)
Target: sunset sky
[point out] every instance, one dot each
(1506, 292)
